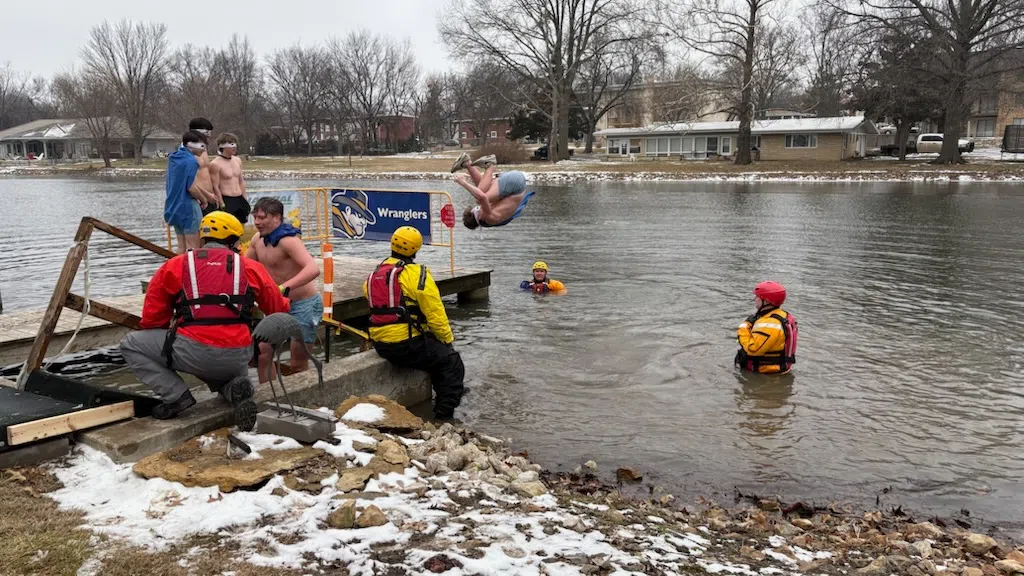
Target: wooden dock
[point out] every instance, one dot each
(18, 330)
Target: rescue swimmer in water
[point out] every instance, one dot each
(768, 337)
(540, 283)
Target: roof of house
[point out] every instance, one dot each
(788, 126)
(71, 128)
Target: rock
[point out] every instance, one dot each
(363, 446)
(513, 552)
(590, 465)
(344, 517)
(437, 464)
(979, 544)
(353, 479)
(898, 561)
(784, 528)
(769, 505)
(628, 475)
(802, 523)
(1015, 555)
(755, 555)
(717, 524)
(490, 442)
(922, 548)
(529, 489)
(878, 567)
(915, 571)
(396, 417)
(393, 453)
(928, 567)
(571, 522)
(441, 563)
(528, 476)
(924, 530)
(971, 571)
(1010, 567)
(360, 496)
(370, 517)
(194, 464)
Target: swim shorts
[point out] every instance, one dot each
(308, 312)
(237, 207)
(193, 226)
(511, 183)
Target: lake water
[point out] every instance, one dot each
(910, 299)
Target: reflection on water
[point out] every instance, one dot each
(909, 296)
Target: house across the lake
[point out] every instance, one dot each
(836, 138)
(69, 138)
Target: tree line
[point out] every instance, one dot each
(554, 68)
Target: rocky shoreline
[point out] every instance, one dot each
(393, 495)
(588, 173)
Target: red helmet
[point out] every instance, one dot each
(771, 292)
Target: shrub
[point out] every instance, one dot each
(506, 151)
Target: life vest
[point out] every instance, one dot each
(214, 289)
(387, 302)
(784, 359)
(540, 287)
(214, 292)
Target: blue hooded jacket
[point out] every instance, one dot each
(182, 168)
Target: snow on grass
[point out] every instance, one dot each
(365, 412)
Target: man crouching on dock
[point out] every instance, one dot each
(195, 319)
(278, 246)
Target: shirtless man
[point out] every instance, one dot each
(203, 181)
(500, 199)
(278, 246)
(228, 184)
(185, 199)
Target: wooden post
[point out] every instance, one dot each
(60, 294)
(103, 312)
(127, 237)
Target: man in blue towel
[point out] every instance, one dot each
(500, 199)
(186, 196)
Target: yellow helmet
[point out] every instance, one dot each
(538, 265)
(219, 225)
(406, 241)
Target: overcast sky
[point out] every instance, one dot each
(46, 37)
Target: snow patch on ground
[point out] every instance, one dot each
(366, 413)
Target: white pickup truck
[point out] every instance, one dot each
(932, 143)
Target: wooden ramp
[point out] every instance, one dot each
(18, 330)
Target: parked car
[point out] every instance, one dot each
(932, 143)
(542, 153)
(452, 142)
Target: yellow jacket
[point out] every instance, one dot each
(427, 298)
(764, 339)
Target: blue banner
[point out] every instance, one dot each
(375, 215)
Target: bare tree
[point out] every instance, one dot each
(197, 86)
(365, 57)
(438, 110)
(684, 94)
(482, 98)
(726, 32)
(604, 81)
(300, 75)
(778, 58)
(132, 60)
(545, 44)
(400, 86)
(975, 42)
(90, 100)
(244, 76)
(833, 37)
(12, 90)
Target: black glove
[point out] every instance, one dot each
(752, 319)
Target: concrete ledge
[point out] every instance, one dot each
(361, 374)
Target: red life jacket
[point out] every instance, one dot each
(388, 304)
(785, 359)
(214, 289)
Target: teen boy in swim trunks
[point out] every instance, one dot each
(226, 174)
(185, 197)
(278, 246)
(500, 199)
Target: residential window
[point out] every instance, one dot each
(984, 128)
(801, 141)
(463, 136)
(726, 146)
(674, 145)
(494, 133)
(712, 145)
(507, 133)
(687, 147)
(985, 104)
(755, 141)
(700, 147)
(1018, 121)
